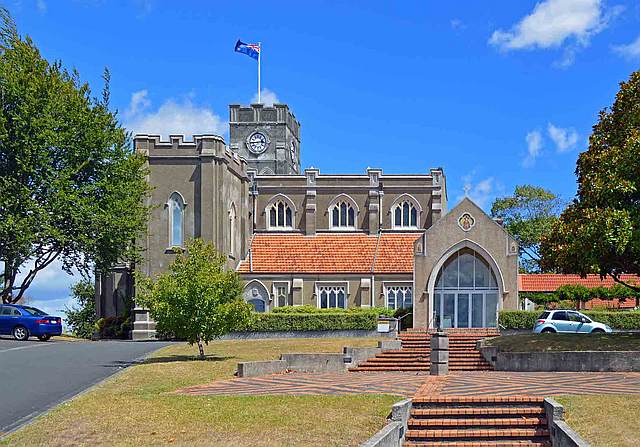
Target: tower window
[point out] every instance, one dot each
(176, 220)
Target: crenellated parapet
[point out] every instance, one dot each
(201, 146)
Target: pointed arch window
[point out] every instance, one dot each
(176, 220)
(232, 229)
(405, 215)
(343, 215)
(280, 215)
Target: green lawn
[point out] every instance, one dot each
(137, 408)
(605, 420)
(566, 342)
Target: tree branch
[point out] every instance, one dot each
(617, 279)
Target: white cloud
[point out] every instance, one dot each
(481, 192)
(41, 6)
(565, 139)
(552, 23)
(50, 283)
(534, 146)
(172, 117)
(630, 50)
(457, 25)
(267, 97)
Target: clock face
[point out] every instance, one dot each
(257, 142)
(292, 151)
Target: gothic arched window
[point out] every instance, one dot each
(280, 214)
(176, 220)
(404, 214)
(343, 215)
(232, 229)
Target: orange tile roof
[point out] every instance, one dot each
(549, 282)
(330, 253)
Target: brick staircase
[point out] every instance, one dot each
(415, 352)
(458, 421)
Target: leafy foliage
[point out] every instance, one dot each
(578, 293)
(196, 299)
(307, 309)
(528, 215)
(599, 232)
(318, 321)
(71, 187)
(114, 327)
(520, 319)
(82, 318)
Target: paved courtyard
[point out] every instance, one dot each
(300, 384)
(504, 383)
(422, 385)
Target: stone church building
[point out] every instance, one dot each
(301, 237)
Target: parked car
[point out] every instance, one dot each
(25, 321)
(568, 321)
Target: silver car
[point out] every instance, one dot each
(569, 322)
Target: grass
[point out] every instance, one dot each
(566, 342)
(137, 408)
(604, 420)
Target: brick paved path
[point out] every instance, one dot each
(299, 384)
(501, 383)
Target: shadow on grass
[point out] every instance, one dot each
(187, 358)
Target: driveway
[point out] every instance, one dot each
(35, 376)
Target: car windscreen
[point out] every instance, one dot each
(543, 316)
(33, 311)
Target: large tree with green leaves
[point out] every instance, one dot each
(528, 214)
(71, 187)
(599, 232)
(196, 300)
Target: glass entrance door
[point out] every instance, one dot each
(465, 309)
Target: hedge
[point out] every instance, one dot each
(319, 321)
(306, 309)
(520, 319)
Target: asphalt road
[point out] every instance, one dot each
(35, 376)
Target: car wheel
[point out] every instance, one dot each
(44, 337)
(597, 331)
(20, 333)
(548, 330)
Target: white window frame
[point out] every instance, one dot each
(328, 284)
(399, 203)
(389, 285)
(288, 203)
(274, 293)
(232, 229)
(178, 199)
(336, 202)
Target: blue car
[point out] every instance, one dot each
(25, 321)
(568, 322)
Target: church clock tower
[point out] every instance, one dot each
(267, 137)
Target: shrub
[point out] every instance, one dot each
(318, 321)
(517, 319)
(307, 309)
(520, 319)
(81, 317)
(114, 327)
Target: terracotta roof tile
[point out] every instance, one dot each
(549, 282)
(330, 253)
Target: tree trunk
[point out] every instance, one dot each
(200, 349)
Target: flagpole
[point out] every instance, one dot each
(259, 57)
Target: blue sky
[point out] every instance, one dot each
(498, 93)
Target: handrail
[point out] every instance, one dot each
(401, 318)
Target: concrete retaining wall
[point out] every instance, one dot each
(315, 362)
(561, 434)
(567, 361)
(252, 369)
(392, 434)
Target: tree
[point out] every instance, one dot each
(196, 299)
(599, 232)
(528, 215)
(82, 317)
(72, 188)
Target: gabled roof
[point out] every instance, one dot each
(330, 253)
(549, 282)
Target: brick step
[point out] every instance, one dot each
(453, 423)
(480, 400)
(406, 358)
(413, 368)
(479, 434)
(454, 361)
(476, 412)
(522, 443)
